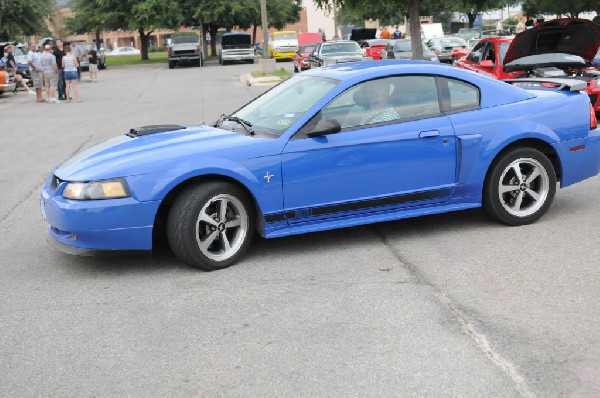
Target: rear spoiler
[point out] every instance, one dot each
(559, 84)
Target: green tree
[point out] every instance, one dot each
(142, 16)
(86, 19)
(371, 9)
(474, 7)
(216, 14)
(24, 18)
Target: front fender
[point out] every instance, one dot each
(248, 172)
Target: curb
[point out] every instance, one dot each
(250, 80)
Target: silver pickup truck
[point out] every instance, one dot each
(236, 46)
(185, 49)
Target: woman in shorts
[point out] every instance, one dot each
(70, 65)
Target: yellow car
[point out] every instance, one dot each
(283, 44)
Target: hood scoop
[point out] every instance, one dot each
(155, 128)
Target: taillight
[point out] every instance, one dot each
(169, 50)
(593, 120)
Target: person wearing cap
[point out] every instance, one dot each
(35, 65)
(50, 71)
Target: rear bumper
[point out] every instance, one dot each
(580, 158)
(283, 55)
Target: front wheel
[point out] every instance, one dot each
(519, 187)
(210, 225)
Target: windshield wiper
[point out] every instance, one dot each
(245, 124)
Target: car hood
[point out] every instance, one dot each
(573, 36)
(343, 57)
(363, 34)
(124, 155)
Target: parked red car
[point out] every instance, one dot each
(300, 59)
(373, 47)
(487, 58)
(560, 48)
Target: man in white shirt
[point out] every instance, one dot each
(35, 65)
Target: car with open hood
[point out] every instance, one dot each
(487, 58)
(560, 48)
(336, 52)
(340, 146)
(236, 46)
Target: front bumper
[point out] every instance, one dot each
(191, 57)
(283, 55)
(112, 224)
(7, 87)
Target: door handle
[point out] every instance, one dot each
(429, 134)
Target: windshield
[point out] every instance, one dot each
(277, 109)
(333, 48)
(453, 42)
(503, 48)
(285, 36)
(184, 39)
(381, 42)
(236, 40)
(308, 49)
(473, 43)
(552, 59)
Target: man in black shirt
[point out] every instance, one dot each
(93, 68)
(59, 53)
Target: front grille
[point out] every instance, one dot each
(184, 52)
(238, 52)
(593, 99)
(288, 49)
(55, 182)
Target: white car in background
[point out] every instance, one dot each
(124, 51)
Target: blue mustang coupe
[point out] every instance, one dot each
(339, 146)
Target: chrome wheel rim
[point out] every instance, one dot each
(221, 227)
(523, 187)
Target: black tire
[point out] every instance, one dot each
(187, 229)
(296, 69)
(101, 66)
(199, 62)
(171, 64)
(250, 61)
(530, 198)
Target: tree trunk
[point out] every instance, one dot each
(254, 35)
(98, 40)
(415, 28)
(144, 43)
(472, 18)
(203, 38)
(213, 29)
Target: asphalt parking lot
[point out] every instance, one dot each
(447, 305)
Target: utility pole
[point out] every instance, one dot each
(265, 28)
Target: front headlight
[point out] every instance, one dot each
(94, 190)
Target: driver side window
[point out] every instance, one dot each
(475, 54)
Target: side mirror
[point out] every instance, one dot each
(325, 127)
(487, 64)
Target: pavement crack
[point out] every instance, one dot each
(38, 187)
(466, 323)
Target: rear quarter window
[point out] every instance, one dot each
(461, 95)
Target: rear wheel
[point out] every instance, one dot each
(519, 187)
(210, 225)
(171, 64)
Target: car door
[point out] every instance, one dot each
(406, 157)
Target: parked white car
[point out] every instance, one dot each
(124, 51)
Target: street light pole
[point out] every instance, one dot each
(265, 28)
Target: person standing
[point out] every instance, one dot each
(35, 65)
(385, 34)
(520, 26)
(93, 60)
(77, 53)
(70, 64)
(59, 52)
(50, 70)
(397, 34)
